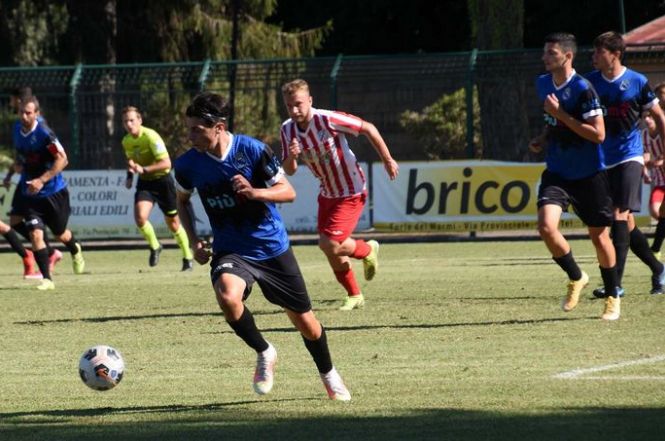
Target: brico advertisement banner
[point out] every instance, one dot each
(459, 196)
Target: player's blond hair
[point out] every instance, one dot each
(128, 109)
(293, 86)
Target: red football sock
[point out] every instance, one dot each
(348, 280)
(362, 250)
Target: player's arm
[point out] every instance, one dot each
(279, 192)
(162, 164)
(372, 133)
(290, 152)
(658, 116)
(536, 144)
(591, 129)
(60, 161)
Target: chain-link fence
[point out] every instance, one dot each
(83, 103)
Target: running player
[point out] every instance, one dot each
(147, 157)
(317, 137)
(625, 95)
(239, 181)
(574, 172)
(44, 199)
(654, 151)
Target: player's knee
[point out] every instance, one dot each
(546, 230)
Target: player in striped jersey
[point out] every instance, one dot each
(653, 161)
(317, 137)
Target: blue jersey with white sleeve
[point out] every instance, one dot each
(252, 229)
(568, 154)
(35, 152)
(623, 98)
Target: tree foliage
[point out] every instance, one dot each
(440, 128)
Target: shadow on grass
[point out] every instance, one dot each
(221, 421)
(137, 317)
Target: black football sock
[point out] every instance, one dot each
(245, 328)
(568, 264)
(610, 280)
(15, 243)
(71, 246)
(640, 246)
(320, 352)
(621, 241)
(41, 257)
(659, 236)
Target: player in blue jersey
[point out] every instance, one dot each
(625, 95)
(44, 198)
(8, 231)
(239, 181)
(574, 172)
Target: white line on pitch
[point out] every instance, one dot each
(576, 373)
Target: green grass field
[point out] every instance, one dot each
(459, 341)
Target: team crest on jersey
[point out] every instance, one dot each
(566, 94)
(240, 161)
(624, 85)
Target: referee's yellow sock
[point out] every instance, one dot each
(149, 233)
(183, 242)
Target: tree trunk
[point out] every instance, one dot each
(499, 25)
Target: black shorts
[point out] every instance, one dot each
(16, 206)
(279, 278)
(160, 190)
(590, 197)
(52, 211)
(626, 185)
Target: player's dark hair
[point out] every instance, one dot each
(612, 41)
(567, 41)
(659, 87)
(210, 107)
(31, 99)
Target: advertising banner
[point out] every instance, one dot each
(103, 208)
(459, 196)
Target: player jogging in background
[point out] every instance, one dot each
(30, 269)
(625, 95)
(654, 147)
(317, 137)
(574, 173)
(239, 181)
(44, 197)
(147, 157)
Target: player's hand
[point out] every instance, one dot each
(134, 167)
(242, 186)
(35, 185)
(294, 148)
(202, 251)
(392, 168)
(551, 105)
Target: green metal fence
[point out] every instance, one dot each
(83, 103)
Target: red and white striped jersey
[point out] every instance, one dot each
(326, 152)
(654, 146)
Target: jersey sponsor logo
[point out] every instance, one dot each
(221, 202)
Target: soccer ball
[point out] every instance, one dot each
(101, 367)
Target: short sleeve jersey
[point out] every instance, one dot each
(325, 150)
(35, 152)
(146, 149)
(252, 229)
(623, 99)
(569, 155)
